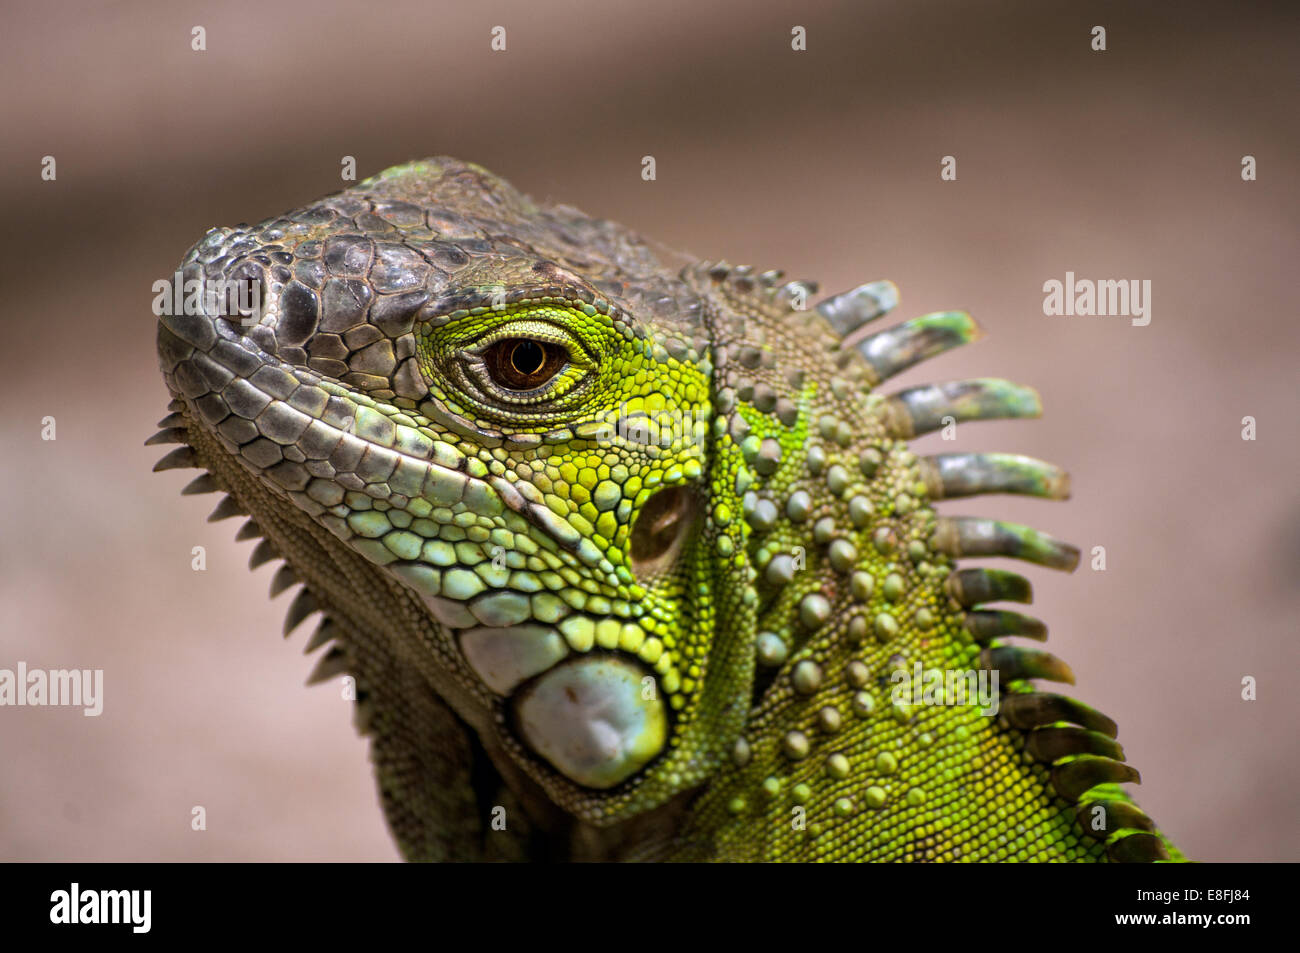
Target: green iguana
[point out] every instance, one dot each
(627, 554)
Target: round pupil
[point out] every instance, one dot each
(527, 357)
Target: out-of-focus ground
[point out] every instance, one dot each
(1116, 164)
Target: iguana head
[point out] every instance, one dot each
(639, 523)
(508, 410)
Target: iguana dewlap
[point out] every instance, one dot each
(627, 554)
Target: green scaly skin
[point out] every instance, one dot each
(623, 550)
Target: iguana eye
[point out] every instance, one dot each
(523, 363)
(525, 366)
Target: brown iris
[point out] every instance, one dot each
(523, 363)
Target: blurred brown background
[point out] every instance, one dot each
(1122, 164)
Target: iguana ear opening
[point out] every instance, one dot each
(661, 529)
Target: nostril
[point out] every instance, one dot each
(242, 294)
(661, 527)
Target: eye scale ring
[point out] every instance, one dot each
(534, 365)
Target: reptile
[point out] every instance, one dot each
(624, 555)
